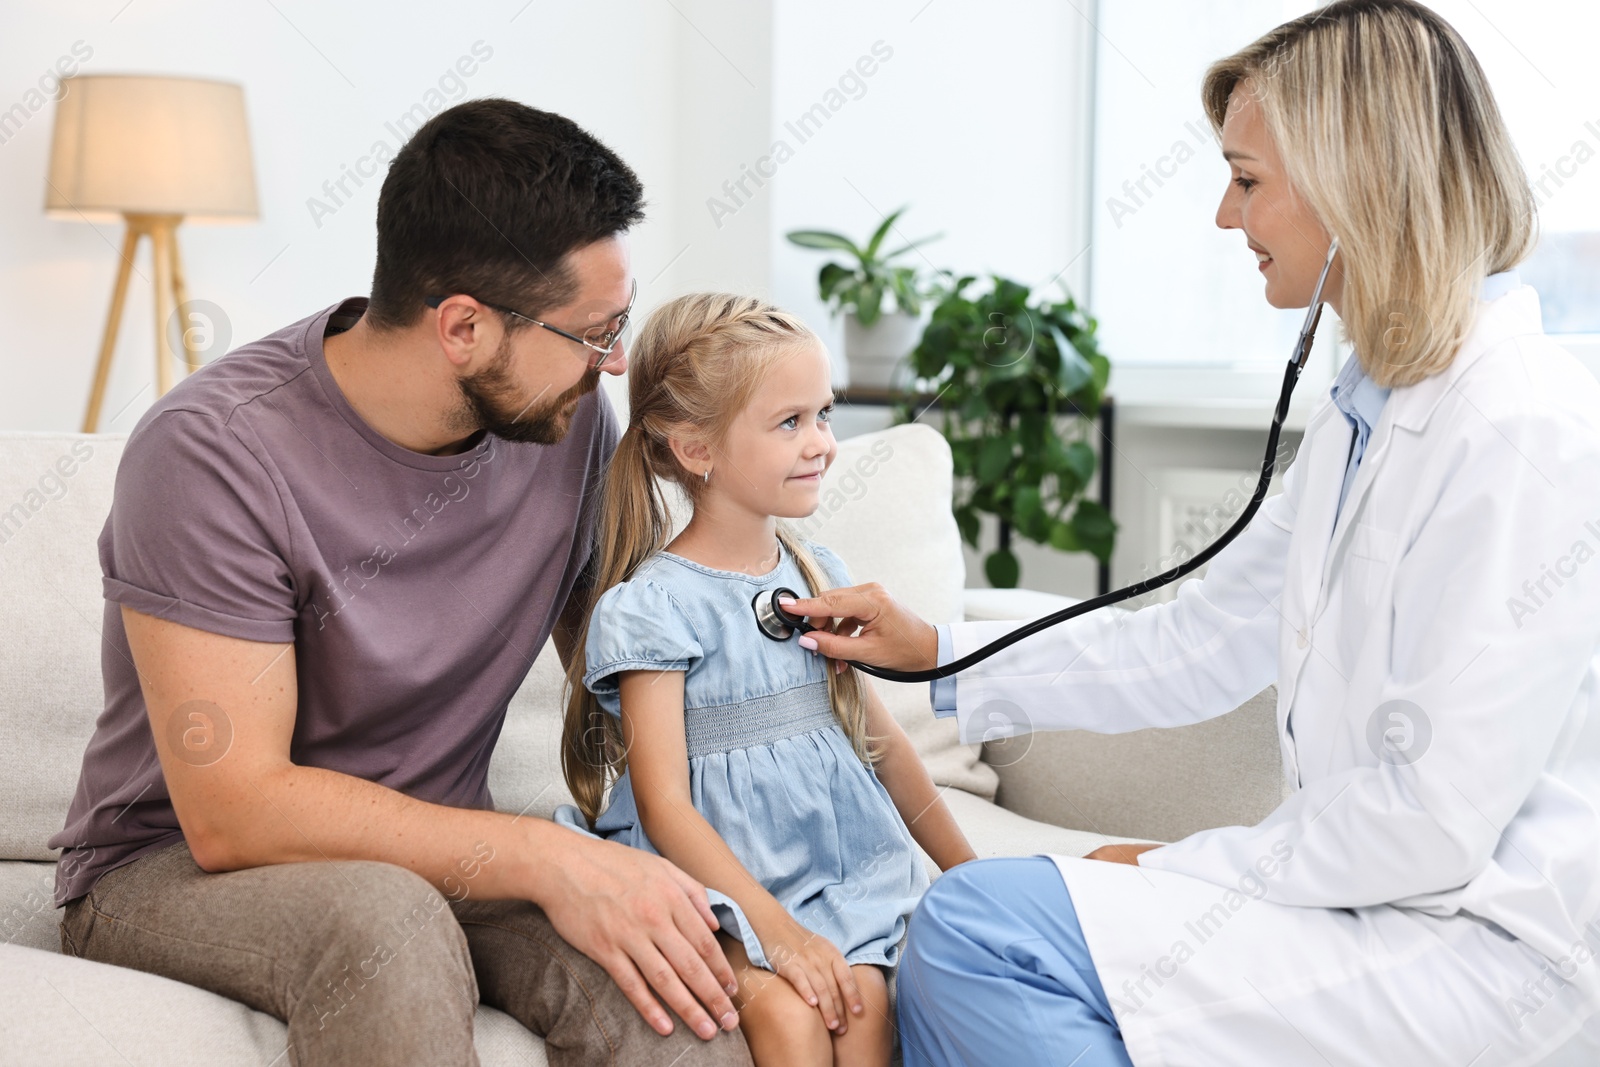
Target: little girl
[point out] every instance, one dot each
(782, 785)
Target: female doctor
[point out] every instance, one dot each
(1424, 593)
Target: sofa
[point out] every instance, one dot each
(884, 509)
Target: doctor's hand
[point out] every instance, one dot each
(891, 634)
(1128, 854)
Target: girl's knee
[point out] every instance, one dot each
(777, 1016)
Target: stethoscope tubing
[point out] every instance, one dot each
(1291, 375)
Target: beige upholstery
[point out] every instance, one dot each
(1156, 784)
(885, 510)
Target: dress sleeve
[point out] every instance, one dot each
(831, 564)
(636, 626)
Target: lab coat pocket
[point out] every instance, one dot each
(1368, 564)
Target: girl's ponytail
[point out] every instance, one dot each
(632, 526)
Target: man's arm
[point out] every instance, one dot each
(633, 913)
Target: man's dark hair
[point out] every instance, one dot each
(486, 199)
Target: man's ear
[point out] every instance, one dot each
(464, 328)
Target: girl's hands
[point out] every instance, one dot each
(817, 970)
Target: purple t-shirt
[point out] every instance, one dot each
(252, 501)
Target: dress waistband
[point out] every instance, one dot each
(759, 720)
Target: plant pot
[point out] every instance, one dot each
(874, 352)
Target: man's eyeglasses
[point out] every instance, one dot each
(600, 340)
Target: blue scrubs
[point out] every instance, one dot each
(996, 971)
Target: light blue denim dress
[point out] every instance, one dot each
(770, 768)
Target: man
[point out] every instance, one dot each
(330, 561)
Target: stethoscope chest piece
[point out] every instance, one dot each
(773, 620)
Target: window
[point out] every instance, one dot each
(1180, 301)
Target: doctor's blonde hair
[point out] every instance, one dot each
(1389, 131)
(695, 367)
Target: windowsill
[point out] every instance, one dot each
(1241, 397)
(1218, 396)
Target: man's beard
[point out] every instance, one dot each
(491, 400)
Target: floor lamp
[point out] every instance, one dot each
(157, 151)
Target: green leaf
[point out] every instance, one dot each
(903, 283)
(869, 303)
(1081, 461)
(1095, 529)
(1076, 372)
(831, 277)
(882, 231)
(1002, 569)
(968, 523)
(1063, 539)
(825, 239)
(1102, 371)
(994, 456)
(1010, 294)
(910, 246)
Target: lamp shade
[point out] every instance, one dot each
(155, 145)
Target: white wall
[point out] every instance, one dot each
(976, 117)
(322, 82)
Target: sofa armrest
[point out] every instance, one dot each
(987, 605)
(1159, 785)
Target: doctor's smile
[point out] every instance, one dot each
(703, 543)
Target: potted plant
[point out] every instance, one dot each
(1010, 376)
(881, 299)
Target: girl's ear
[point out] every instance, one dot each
(693, 454)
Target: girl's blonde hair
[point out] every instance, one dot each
(695, 367)
(1389, 131)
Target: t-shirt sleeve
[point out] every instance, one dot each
(636, 626)
(603, 446)
(197, 533)
(838, 574)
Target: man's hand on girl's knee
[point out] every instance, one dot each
(648, 924)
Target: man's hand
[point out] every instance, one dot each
(647, 923)
(891, 635)
(1128, 854)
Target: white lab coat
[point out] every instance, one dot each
(1418, 910)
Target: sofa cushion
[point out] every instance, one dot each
(28, 914)
(55, 493)
(91, 1014)
(1160, 785)
(993, 831)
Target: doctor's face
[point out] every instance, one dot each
(778, 448)
(1288, 242)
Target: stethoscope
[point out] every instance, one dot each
(779, 625)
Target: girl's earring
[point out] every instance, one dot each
(705, 478)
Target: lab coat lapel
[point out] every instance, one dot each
(1326, 447)
(1410, 407)
(1371, 460)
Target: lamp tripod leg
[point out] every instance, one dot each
(161, 237)
(180, 294)
(108, 342)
